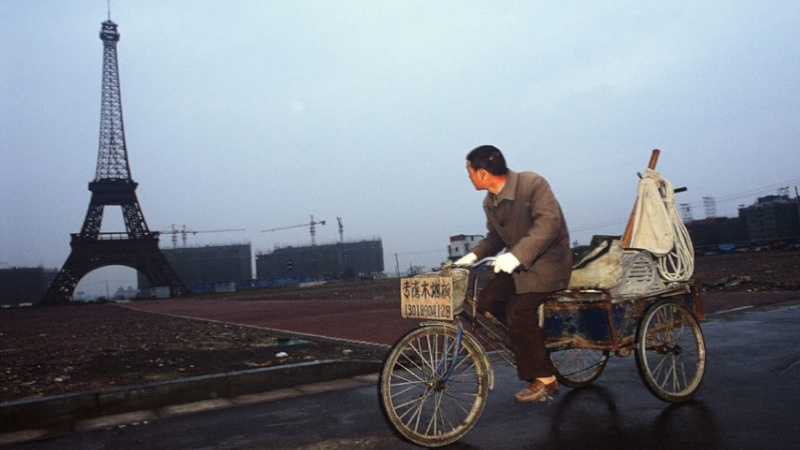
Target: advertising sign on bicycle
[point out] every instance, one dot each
(427, 298)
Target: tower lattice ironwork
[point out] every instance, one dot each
(136, 247)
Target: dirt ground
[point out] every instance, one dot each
(753, 272)
(55, 350)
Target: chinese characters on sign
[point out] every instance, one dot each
(427, 298)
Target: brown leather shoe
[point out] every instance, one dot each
(537, 391)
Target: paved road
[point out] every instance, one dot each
(749, 400)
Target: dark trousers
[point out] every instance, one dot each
(520, 313)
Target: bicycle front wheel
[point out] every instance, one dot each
(579, 367)
(434, 385)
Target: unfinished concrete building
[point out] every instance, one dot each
(771, 217)
(24, 285)
(342, 260)
(212, 268)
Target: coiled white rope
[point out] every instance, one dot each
(678, 264)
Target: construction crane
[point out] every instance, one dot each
(311, 225)
(185, 231)
(341, 230)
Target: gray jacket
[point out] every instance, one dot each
(525, 217)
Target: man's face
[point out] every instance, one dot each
(477, 177)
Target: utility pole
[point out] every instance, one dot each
(797, 201)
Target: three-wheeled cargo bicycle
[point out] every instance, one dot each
(436, 378)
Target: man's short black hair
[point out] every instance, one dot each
(488, 158)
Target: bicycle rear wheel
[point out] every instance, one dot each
(670, 351)
(434, 385)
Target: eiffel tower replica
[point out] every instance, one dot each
(137, 247)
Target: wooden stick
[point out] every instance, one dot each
(626, 238)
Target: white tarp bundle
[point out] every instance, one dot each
(652, 227)
(658, 229)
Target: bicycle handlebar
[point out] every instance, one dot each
(483, 261)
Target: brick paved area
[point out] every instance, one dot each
(375, 321)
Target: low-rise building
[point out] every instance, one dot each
(462, 244)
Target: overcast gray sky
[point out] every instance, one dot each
(257, 114)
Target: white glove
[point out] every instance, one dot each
(467, 260)
(506, 263)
